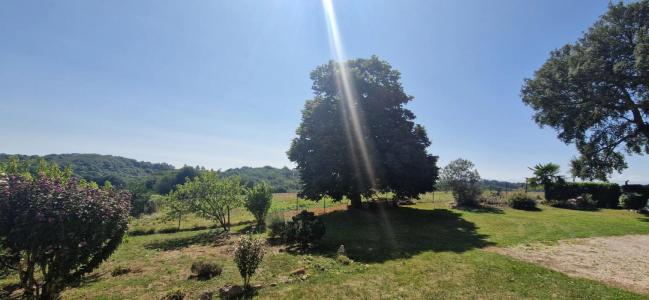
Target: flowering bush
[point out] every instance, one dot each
(55, 228)
(248, 254)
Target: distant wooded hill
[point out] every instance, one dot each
(162, 177)
(95, 167)
(283, 180)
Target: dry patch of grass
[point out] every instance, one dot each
(619, 261)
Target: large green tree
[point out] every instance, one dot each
(357, 138)
(595, 92)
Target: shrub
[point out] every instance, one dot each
(143, 206)
(464, 181)
(174, 295)
(258, 200)
(582, 202)
(305, 229)
(205, 270)
(55, 228)
(277, 226)
(633, 201)
(248, 254)
(120, 270)
(343, 259)
(522, 201)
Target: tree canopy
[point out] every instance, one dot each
(211, 197)
(328, 157)
(595, 92)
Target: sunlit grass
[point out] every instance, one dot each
(432, 251)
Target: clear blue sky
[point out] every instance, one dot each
(222, 83)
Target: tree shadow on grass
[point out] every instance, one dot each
(206, 238)
(481, 209)
(400, 232)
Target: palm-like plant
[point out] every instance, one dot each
(544, 174)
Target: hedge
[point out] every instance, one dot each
(605, 194)
(636, 188)
(637, 195)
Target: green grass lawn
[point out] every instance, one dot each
(423, 251)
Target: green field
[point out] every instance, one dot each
(422, 251)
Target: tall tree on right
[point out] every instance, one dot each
(595, 92)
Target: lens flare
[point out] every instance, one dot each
(352, 116)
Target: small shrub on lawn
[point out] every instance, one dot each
(120, 270)
(305, 229)
(174, 295)
(248, 254)
(343, 259)
(522, 201)
(205, 270)
(633, 201)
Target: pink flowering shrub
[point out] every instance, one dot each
(54, 229)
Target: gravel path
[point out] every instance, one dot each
(621, 261)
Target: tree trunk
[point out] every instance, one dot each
(356, 201)
(229, 216)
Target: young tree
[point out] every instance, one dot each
(464, 181)
(357, 138)
(258, 200)
(594, 92)
(55, 228)
(248, 254)
(211, 197)
(177, 205)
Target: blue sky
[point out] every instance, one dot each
(222, 83)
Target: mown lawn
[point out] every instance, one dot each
(423, 251)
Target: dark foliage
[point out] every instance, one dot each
(167, 182)
(636, 188)
(605, 195)
(304, 229)
(581, 202)
(594, 92)
(55, 229)
(633, 200)
(205, 270)
(522, 201)
(355, 144)
(119, 271)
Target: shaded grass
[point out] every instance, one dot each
(399, 232)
